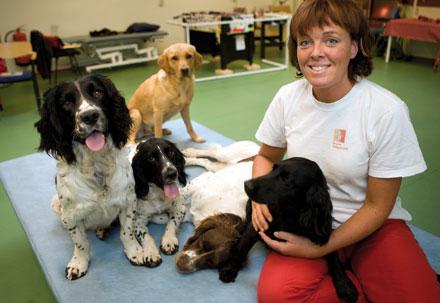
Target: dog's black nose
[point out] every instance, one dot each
(184, 71)
(89, 117)
(170, 174)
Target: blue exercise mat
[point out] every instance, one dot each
(29, 183)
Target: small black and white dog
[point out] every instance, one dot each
(296, 193)
(84, 125)
(158, 168)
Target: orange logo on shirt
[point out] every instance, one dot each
(339, 137)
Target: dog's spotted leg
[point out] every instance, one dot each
(151, 252)
(170, 243)
(133, 250)
(79, 262)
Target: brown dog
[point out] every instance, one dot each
(165, 93)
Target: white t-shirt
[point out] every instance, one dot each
(368, 132)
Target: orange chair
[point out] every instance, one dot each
(12, 50)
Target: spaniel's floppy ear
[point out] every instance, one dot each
(320, 207)
(54, 139)
(141, 183)
(179, 162)
(117, 112)
(198, 59)
(164, 63)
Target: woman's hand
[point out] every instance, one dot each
(294, 245)
(260, 216)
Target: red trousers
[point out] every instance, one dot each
(388, 266)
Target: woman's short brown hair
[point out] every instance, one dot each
(344, 13)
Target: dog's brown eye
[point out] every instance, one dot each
(189, 56)
(98, 94)
(174, 58)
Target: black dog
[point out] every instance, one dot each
(158, 168)
(297, 195)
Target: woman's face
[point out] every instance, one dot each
(323, 56)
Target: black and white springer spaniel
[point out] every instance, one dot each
(84, 125)
(158, 168)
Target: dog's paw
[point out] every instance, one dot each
(169, 245)
(102, 233)
(169, 250)
(152, 259)
(153, 262)
(198, 139)
(227, 275)
(151, 255)
(347, 291)
(73, 273)
(55, 204)
(135, 254)
(76, 269)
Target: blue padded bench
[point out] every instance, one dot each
(29, 183)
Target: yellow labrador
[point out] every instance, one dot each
(166, 93)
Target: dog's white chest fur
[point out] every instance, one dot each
(155, 202)
(96, 188)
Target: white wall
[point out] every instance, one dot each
(77, 17)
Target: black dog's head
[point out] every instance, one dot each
(296, 193)
(87, 111)
(160, 162)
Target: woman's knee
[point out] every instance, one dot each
(280, 293)
(287, 279)
(392, 258)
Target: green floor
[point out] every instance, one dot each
(233, 107)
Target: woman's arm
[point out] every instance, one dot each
(263, 162)
(379, 201)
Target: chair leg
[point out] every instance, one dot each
(77, 68)
(280, 35)
(36, 88)
(56, 70)
(262, 40)
(74, 65)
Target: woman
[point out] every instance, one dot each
(361, 136)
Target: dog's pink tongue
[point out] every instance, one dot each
(171, 190)
(95, 141)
